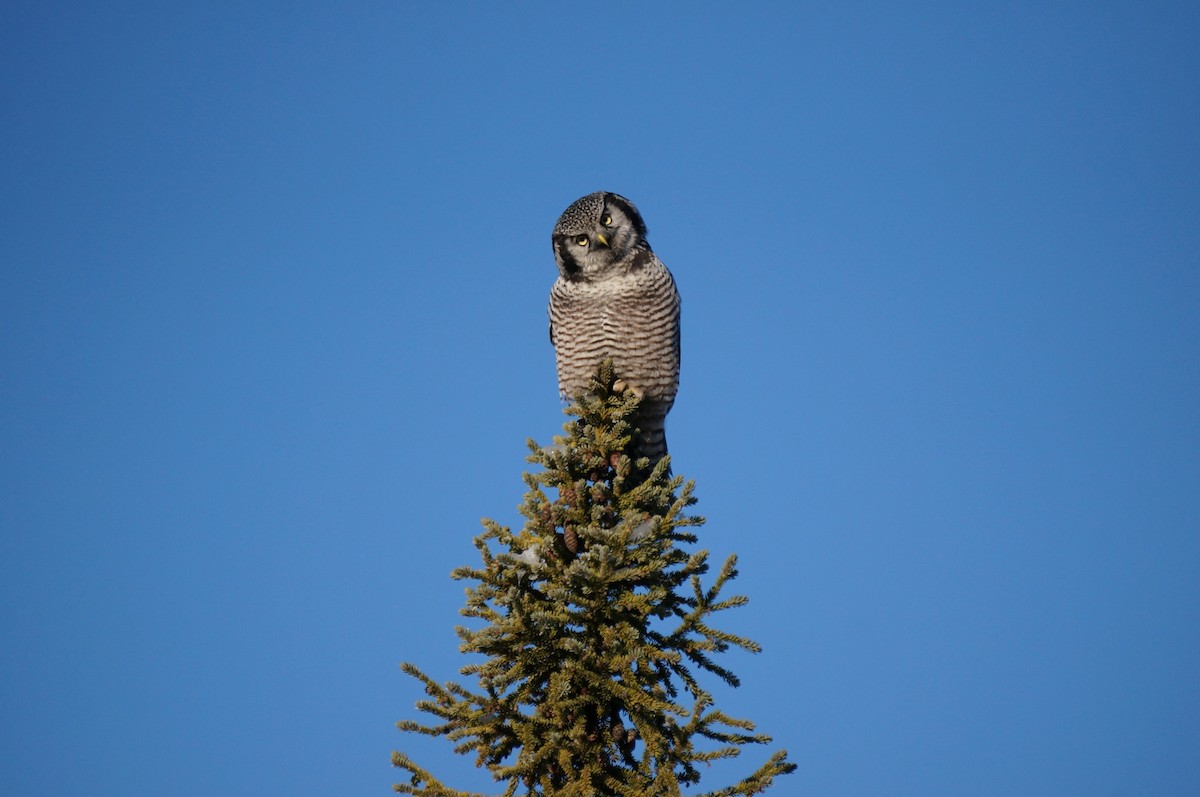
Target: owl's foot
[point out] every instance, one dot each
(620, 386)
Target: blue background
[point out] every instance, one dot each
(273, 335)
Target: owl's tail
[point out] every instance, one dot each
(651, 438)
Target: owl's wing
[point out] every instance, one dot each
(678, 308)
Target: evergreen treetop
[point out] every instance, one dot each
(593, 629)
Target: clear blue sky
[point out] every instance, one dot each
(274, 334)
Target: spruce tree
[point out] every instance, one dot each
(593, 626)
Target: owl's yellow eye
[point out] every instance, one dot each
(582, 240)
(607, 220)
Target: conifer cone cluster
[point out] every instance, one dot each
(593, 625)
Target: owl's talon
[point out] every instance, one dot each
(620, 386)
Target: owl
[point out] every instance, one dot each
(614, 298)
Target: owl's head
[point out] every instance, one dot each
(597, 236)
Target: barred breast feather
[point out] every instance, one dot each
(632, 317)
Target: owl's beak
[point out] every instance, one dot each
(602, 239)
